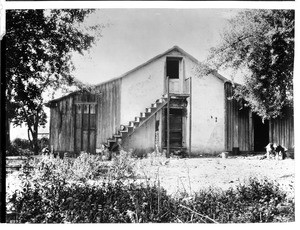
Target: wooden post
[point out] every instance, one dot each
(168, 118)
(4, 141)
(89, 127)
(270, 132)
(251, 132)
(96, 125)
(190, 118)
(235, 148)
(81, 141)
(75, 120)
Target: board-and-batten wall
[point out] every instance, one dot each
(282, 130)
(239, 129)
(62, 121)
(108, 110)
(64, 115)
(238, 124)
(61, 125)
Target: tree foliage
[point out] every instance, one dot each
(38, 59)
(259, 44)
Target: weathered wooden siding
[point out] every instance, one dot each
(238, 124)
(61, 125)
(245, 140)
(84, 126)
(63, 120)
(239, 130)
(108, 111)
(71, 122)
(281, 130)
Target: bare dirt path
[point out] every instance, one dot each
(194, 174)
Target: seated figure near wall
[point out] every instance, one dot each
(117, 147)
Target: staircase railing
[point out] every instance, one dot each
(148, 118)
(166, 102)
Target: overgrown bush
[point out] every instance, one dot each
(157, 158)
(43, 142)
(22, 147)
(52, 199)
(21, 143)
(82, 168)
(256, 201)
(19, 147)
(141, 153)
(122, 166)
(60, 202)
(59, 191)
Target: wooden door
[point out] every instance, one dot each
(85, 127)
(175, 128)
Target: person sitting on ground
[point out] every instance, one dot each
(117, 147)
(45, 151)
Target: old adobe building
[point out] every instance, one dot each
(200, 115)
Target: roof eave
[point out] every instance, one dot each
(150, 61)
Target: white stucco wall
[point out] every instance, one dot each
(208, 115)
(142, 87)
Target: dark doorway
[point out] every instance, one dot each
(173, 68)
(175, 128)
(261, 133)
(85, 128)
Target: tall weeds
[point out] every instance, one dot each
(58, 191)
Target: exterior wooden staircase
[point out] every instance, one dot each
(127, 130)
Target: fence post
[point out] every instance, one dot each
(190, 128)
(168, 118)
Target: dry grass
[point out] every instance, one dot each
(191, 175)
(186, 179)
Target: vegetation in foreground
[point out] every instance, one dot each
(56, 192)
(22, 147)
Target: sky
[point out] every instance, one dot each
(130, 37)
(134, 36)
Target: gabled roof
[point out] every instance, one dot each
(48, 104)
(51, 102)
(174, 48)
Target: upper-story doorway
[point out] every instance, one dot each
(174, 71)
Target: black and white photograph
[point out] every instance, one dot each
(148, 114)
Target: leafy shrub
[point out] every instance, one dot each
(157, 158)
(84, 167)
(56, 201)
(22, 147)
(141, 153)
(122, 166)
(19, 147)
(21, 143)
(51, 199)
(43, 142)
(256, 201)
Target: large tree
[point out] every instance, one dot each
(259, 45)
(39, 46)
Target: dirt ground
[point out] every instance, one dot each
(193, 174)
